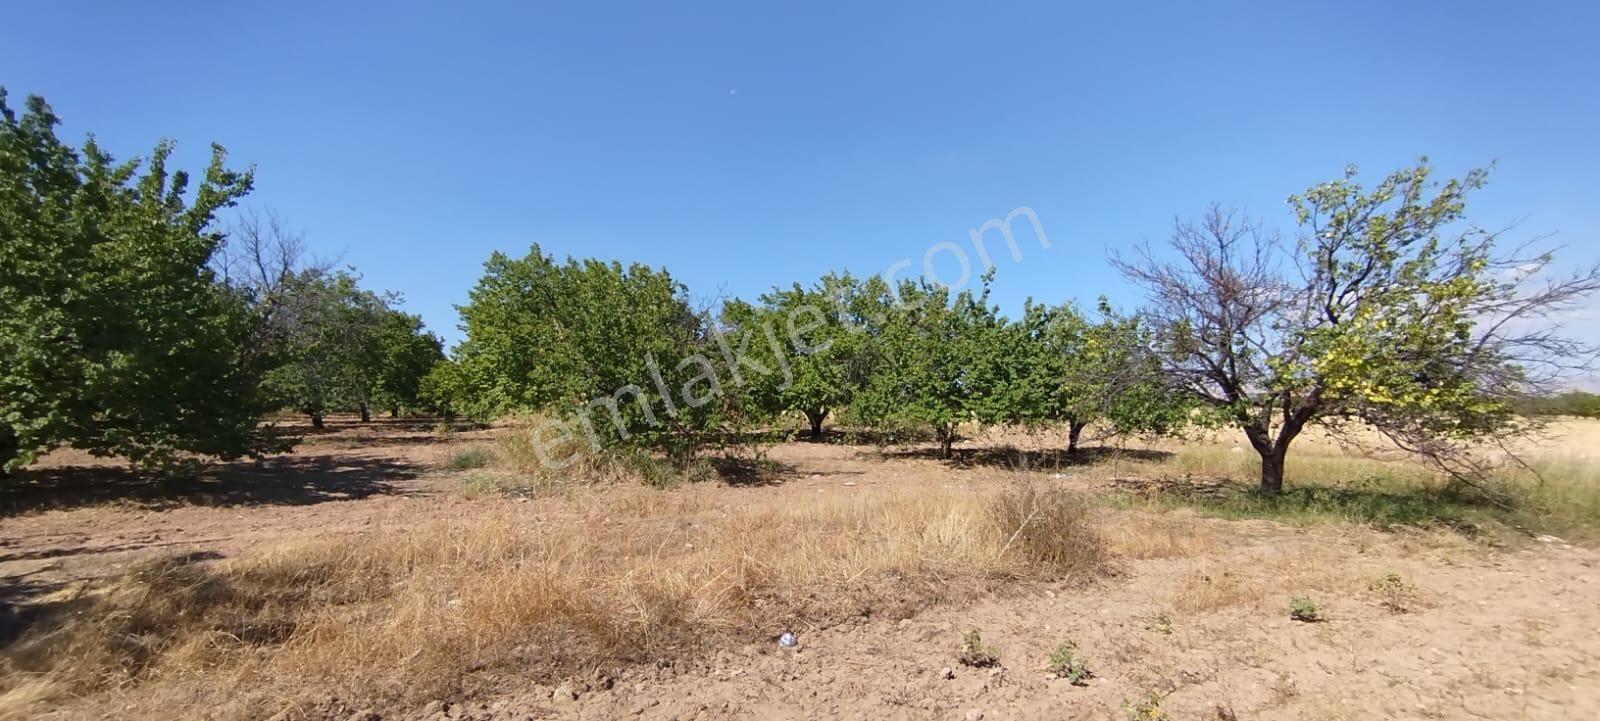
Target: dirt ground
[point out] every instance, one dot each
(1197, 629)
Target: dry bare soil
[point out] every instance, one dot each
(367, 576)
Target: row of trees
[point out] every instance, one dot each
(132, 325)
(1386, 312)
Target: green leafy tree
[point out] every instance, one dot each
(813, 341)
(1398, 317)
(329, 331)
(619, 343)
(442, 389)
(1581, 404)
(406, 354)
(938, 361)
(1075, 371)
(117, 335)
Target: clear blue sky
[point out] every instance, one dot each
(745, 146)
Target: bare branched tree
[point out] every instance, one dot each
(263, 260)
(1392, 318)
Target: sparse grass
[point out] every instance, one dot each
(1557, 495)
(617, 576)
(1306, 610)
(972, 651)
(1212, 590)
(575, 462)
(1144, 535)
(1380, 502)
(1561, 496)
(472, 458)
(1065, 664)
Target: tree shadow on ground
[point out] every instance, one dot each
(1030, 459)
(35, 600)
(1381, 505)
(19, 609)
(750, 472)
(282, 480)
(350, 432)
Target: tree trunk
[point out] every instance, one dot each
(9, 449)
(394, 411)
(1074, 430)
(1272, 470)
(366, 412)
(816, 418)
(947, 438)
(316, 420)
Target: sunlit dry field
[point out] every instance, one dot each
(398, 572)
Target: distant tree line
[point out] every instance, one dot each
(134, 325)
(1578, 404)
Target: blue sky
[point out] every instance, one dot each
(743, 145)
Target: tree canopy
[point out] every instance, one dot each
(1387, 311)
(117, 335)
(133, 325)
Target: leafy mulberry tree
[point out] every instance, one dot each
(1388, 311)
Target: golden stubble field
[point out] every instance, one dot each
(376, 574)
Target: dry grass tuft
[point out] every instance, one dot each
(1052, 529)
(1153, 534)
(414, 613)
(1210, 589)
(575, 463)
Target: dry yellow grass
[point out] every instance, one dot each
(603, 572)
(620, 577)
(1144, 535)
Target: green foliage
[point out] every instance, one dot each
(442, 388)
(1401, 320)
(936, 362)
(972, 651)
(815, 341)
(117, 337)
(1579, 404)
(1304, 609)
(1161, 623)
(343, 347)
(406, 353)
(1064, 663)
(1147, 708)
(543, 335)
(1068, 369)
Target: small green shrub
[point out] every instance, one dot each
(1161, 623)
(1394, 593)
(973, 652)
(1064, 663)
(1147, 708)
(472, 458)
(1305, 610)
